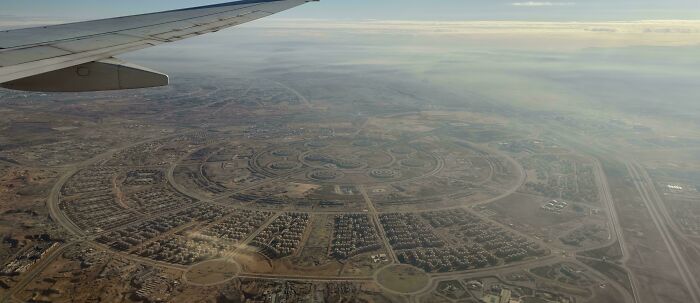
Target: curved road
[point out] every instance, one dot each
(60, 218)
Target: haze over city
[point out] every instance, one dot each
(358, 151)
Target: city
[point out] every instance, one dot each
(523, 155)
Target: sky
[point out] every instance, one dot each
(440, 10)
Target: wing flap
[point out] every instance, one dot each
(14, 72)
(110, 74)
(34, 51)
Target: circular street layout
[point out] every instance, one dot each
(403, 279)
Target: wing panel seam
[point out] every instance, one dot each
(139, 27)
(94, 56)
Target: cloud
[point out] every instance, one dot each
(540, 4)
(569, 35)
(687, 28)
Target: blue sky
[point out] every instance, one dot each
(529, 10)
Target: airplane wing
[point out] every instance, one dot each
(78, 57)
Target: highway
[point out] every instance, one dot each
(654, 205)
(662, 208)
(378, 224)
(53, 201)
(35, 270)
(302, 99)
(607, 199)
(606, 195)
(52, 204)
(60, 218)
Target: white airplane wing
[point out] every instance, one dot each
(79, 57)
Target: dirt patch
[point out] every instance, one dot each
(212, 272)
(402, 278)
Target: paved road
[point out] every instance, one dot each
(60, 218)
(652, 204)
(35, 270)
(378, 224)
(301, 97)
(52, 202)
(607, 199)
(524, 266)
(522, 176)
(662, 207)
(53, 205)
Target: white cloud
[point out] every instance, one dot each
(561, 35)
(539, 4)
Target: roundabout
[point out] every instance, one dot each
(338, 208)
(415, 163)
(284, 165)
(212, 272)
(325, 175)
(356, 208)
(283, 152)
(402, 279)
(384, 173)
(401, 150)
